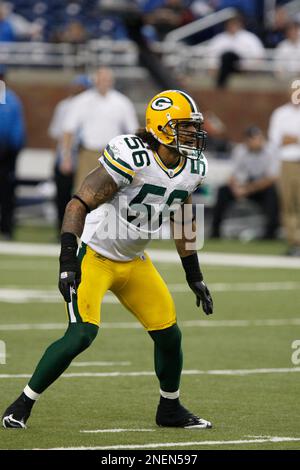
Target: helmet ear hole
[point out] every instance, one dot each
(159, 128)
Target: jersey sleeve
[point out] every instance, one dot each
(117, 162)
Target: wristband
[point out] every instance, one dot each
(68, 247)
(192, 269)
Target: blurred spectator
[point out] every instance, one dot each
(254, 176)
(74, 33)
(171, 15)
(6, 30)
(249, 8)
(217, 140)
(275, 33)
(149, 5)
(284, 132)
(234, 45)
(287, 54)
(201, 8)
(64, 181)
(22, 28)
(99, 115)
(12, 137)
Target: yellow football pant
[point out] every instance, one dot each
(136, 283)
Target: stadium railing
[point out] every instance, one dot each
(197, 26)
(40, 54)
(124, 56)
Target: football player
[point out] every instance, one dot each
(160, 166)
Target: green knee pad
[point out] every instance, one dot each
(79, 336)
(168, 339)
(168, 357)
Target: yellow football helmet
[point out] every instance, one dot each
(170, 116)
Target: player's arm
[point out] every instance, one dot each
(97, 188)
(189, 257)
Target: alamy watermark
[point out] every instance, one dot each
(296, 354)
(2, 92)
(295, 97)
(151, 221)
(2, 353)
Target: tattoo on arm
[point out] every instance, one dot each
(74, 218)
(97, 188)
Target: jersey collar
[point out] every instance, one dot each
(171, 172)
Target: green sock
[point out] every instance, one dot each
(60, 354)
(168, 357)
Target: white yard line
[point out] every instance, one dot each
(29, 249)
(166, 256)
(96, 431)
(16, 295)
(184, 444)
(241, 286)
(228, 372)
(183, 324)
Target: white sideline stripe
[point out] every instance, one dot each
(135, 326)
(100, 363)
(96, 431)
(13, 294)
(29, 249)
(16, 296)
(166, 256)
(241, 286)
(182, 444)
(239, 372)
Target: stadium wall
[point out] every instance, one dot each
(236, 108)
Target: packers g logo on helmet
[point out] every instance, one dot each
(170, 116)
(161, 103)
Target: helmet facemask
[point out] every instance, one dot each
(189, 143)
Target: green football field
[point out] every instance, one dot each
(238, 369)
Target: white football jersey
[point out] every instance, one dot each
(148, 191)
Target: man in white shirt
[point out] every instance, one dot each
(284, 133)
(287, 53)
(64, 181)
(234, 45)
(254, 177)
(99, 114)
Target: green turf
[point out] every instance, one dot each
(36, 234)
(239, 407)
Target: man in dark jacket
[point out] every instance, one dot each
(12, 137)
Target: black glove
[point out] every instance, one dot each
(69, 267)
(194, 279)
(202, 295)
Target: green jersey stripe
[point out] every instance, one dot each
(117, 170)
